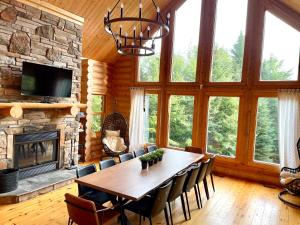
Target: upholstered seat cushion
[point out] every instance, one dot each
(287, 177)
(114, 143)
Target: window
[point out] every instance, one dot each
(186, 38)
(149, 65)
(266, 137)
(97, 111)
(229, 41)
(151, 103)
(181, 120)
(223, 125)
(280, 60)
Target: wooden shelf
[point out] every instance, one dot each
(15, 109)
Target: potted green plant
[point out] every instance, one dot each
(160, 154)
(154, 157)
(150, 159)
(144, 162)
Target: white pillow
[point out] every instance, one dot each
(112, 133)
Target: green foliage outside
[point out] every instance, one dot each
(223, 112)
(97, 107)
(181, 120)
(222, 125)
(151, 102)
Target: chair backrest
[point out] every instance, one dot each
(116, 121)
(161, 198)
(125, 157)
(151, 148)
(139, 152)
(191, 177)
(81, 211)
(177, 186)
(81, 172)
(193, 149)
(211, 164)
(202, 170)
(106, 163)
(298, 147)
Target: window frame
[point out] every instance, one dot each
(277, 11)
(158, 122)
(252, 132)
(243, 81)
(240, 128)
(102, 114)
(167, 117)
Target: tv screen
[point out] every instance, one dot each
(42, 80)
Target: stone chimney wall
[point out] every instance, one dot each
(31, 35)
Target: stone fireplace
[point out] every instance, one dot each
(33, 35)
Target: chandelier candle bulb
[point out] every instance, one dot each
(122, 7)
(140, 10)
(148, 29)
(157, 13)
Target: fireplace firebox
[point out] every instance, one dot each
(36, 152)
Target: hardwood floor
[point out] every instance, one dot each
(235, 202)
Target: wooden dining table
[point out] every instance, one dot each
(127, 180)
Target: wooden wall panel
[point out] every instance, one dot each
(95, 81)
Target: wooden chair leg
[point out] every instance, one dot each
(140, 219)
(199, 195)
(212, 181)
(206, 188)
(166, 216)
(170, 210)
(197, 199)
(183, 206)
(188, 206)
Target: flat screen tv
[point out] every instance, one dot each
(46, 81)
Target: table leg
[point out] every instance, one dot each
(122, 218)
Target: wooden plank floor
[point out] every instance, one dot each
(235, 202)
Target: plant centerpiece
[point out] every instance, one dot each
(150, 159)
(144, 161)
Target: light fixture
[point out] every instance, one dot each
(131, 33)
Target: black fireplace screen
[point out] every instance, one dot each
(35, 149)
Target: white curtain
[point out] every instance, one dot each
(136, 123)
(289, 127)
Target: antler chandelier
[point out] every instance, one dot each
(134, 35)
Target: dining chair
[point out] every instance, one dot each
(98, 197)
(190, 183)
(193, 149)
(139, 152)
(82, 211)
(151, 206)
(106, 163)
(201, 176)
(151, 148)
(125, 157)
(210, 166)
(176, 191)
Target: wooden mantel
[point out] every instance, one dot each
(15, 109)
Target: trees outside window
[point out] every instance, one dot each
(186, 38)
(97, 111)
(223, 125)
(181, 114)
(266, 137)
(228, 52)
(151, 104)
(280, 59)
(149, 65)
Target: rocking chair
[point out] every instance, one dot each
(115, 122)
(290, 179)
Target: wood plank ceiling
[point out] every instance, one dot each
(99, 45)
